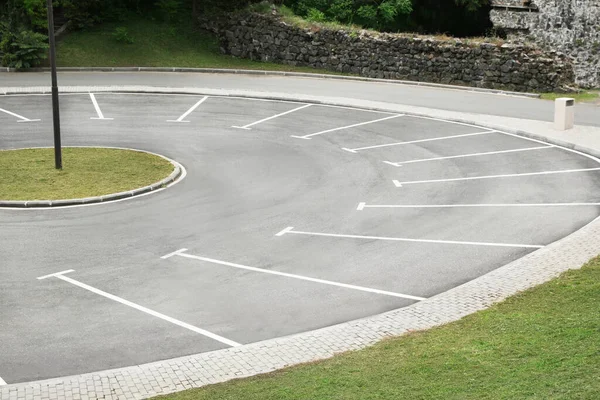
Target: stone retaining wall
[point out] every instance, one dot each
(394, 56)
(569, 26)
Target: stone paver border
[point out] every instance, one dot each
(181, 373)
(163, 183)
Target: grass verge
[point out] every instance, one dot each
(30, 175)
(580, 97)
(541, 344)
(154, 44)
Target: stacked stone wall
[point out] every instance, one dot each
(394, 56)
(568, 26)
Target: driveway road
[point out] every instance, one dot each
(437, 98)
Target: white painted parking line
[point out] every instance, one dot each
(290, 229)
(175, 253)
(20, 117)
(98, 111)
(569, 171)
(188, 112)
(416, 141)
(2, 382)
(488, 153)
(347, 127)
(61, 276)
(300, 277)
(362, 206)
(247, 127)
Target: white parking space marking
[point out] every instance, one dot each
(362, 206)
(2, 382)
(181, 253)
(416, 141)
(61, 276)
(247, 127)
(98, 111)
(20, 117)
(347, 127)
(188, 112)
(569, 171)
(488, 153)
(290, 230)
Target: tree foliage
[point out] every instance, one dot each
(458, 17)
(22, 21)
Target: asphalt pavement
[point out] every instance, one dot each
(430, 97)
(285, 230)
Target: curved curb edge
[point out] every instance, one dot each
(279, 73)
(41, 204)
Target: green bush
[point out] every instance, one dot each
(315, 15)
(37, 13)
(24, 49)
(121, 35)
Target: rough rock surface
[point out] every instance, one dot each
(396, 56)
(568, 26)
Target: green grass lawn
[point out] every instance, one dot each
(541, 344)
(30, 174)
(580, 97)
(155, 44)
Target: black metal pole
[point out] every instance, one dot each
(55, 109)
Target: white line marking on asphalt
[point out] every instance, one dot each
(173, 254)
(301, 277)
(286, 230)
(400, 184)
(97, 107)
(247, 127)
(2, 382)
(56, 274)
(396, 239)
(188, 112)
(362, 206)
(400, 163)
(417, 141)
(509, 134)
(21, 118)
(347, 127)
(143, 309)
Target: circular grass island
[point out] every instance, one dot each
(29, 175)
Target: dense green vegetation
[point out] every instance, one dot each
(23, 23)
(541, 344)
(457, 17)
(140, 41)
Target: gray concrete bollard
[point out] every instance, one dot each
(564, 113)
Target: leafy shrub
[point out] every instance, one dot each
(121, 35)
(315, 15)
(378, 14)
(24, 49)
(37, 13)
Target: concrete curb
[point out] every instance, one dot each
(278, 73)
(41, 204)
(163, 377)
